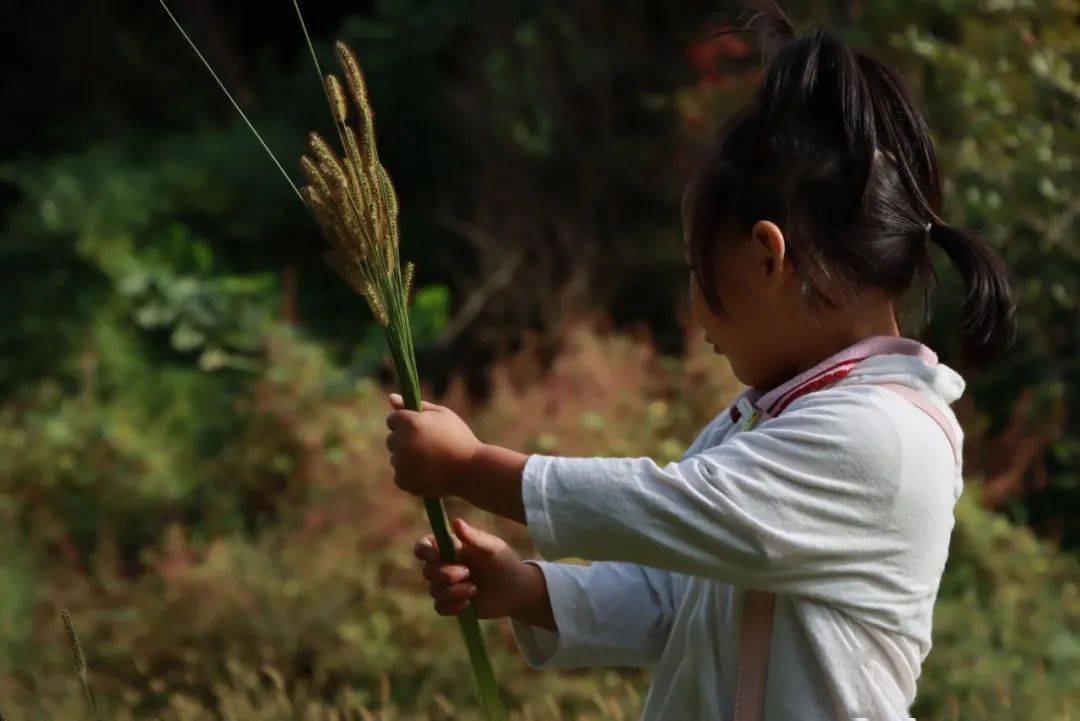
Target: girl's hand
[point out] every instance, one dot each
(428, 450)
(487, 572)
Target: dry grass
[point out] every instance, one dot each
(320, 612)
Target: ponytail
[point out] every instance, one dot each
(834, 150)
(987, 317)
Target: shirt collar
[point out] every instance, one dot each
(772, 402)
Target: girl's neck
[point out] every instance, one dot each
(841, 328)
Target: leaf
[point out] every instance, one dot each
(186, 337)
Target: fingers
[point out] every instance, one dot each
(426, 549)
(398, 403)
(402, 417)
(445, 574)
(398, 422)
(476, 541)
(452, 600)
(435, 569)
(448, 583)
(399, 418)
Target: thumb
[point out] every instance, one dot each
(474, 539)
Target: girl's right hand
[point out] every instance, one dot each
(487, 572)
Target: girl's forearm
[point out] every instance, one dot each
(491, 480)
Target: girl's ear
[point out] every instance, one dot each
(770, 249)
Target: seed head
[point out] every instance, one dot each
(338, 102)
(355, 165)
(406, 280)
(353, 75)
(355, 78)
(315, 176)
(377, 307)
(353, 199)
(73, 641)
(388, 190)
(329, 162)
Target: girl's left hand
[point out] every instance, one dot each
(428, 450)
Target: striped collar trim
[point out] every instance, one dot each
(832, 369)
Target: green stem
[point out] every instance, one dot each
(487, 691)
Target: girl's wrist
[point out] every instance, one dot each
(533, 605)
(491, 479)
(463, 481)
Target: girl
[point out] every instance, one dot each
(787, 566)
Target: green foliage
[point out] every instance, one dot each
(17, 582)
(1006, 625)
(429, 311)
(1003, 101)
(126, 451)
(117, 222)
(207, 489)
(319, 606)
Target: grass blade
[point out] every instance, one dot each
(80, 660)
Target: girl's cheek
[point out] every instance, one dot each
(703, 314)
(694, 312)
(698, 305)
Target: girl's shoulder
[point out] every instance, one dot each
(861, 408)
(712, 433)
(891, 392)
(887, 409)
(887, 426)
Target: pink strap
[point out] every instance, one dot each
(754, 654)
(923, 404)
(756, 630)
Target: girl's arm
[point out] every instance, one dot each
(491, 480)
(847, 498)
(606, 614)
(435, 454)
(563, 615)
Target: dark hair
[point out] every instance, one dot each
(833, 150)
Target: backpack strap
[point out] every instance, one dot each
(924, 404)
(756, 628)
(754, 641)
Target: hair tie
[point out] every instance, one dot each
(926, 231)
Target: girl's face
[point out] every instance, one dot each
(755, 285)
(764, 325)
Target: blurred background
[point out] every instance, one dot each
(191, 405)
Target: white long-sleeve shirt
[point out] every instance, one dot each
(842, 505)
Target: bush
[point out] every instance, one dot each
(313, 607)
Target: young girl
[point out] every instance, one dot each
(787, 566)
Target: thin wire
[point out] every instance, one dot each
(233, 101)
(341, 137)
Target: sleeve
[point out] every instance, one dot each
(607, 614)
(801, 504)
